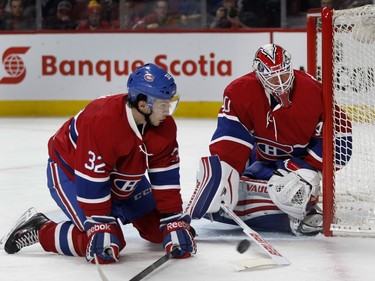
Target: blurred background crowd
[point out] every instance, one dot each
(164, 14)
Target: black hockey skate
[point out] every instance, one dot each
(25, 232)
(311, 225)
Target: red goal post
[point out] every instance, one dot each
(341, 54)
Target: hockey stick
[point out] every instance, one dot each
(254, 236)
(155, 265)
(101, 273)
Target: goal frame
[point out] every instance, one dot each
(340, 48)
(327, 83)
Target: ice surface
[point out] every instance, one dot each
(23, 156)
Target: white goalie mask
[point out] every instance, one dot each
(274, 70)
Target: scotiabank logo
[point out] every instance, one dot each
(14, 65)
(202, 65)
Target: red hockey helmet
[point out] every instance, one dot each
(274, 70)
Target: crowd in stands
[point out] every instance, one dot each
(154, 15)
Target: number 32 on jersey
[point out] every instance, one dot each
(97, 168)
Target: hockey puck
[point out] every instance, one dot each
(243, 246)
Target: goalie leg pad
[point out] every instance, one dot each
(230, 180)
(207, 186)
(217, 182)
(255, 208)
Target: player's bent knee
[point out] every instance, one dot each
(148, 227)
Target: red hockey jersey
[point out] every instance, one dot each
(104, 152)
(249, 127)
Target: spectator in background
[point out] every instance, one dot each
(227, 16)
(63, 18)
(261, 13)
(273, 10)
(2, 16)
(94, 21)
(158, 19)
(17, 19)
(187, 13)
(108, 9)
(79, 10)
(220, 20)
(127, 18)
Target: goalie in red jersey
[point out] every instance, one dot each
(97, 175)
(269, 128)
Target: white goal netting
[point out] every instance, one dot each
(354, 91)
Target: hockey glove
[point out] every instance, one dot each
(306, 174)
(293, 192)
(104, 241)
(178, 233)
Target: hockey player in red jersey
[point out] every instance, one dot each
(97, 175)
(269, 128)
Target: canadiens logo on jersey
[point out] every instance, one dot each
(123, 184)
(272, 150)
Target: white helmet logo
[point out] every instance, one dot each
(149, 77)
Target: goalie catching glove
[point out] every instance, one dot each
(178, 233)
(293, 191)
(105, 239)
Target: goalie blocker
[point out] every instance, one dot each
(284, 203)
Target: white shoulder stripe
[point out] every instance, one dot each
(94, 201)
(232, 139)
(165, 187)
(230, 117)
(158, 170)
(72, 142)
(86, 177)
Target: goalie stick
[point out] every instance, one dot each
(254, 236)
(155, 265)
